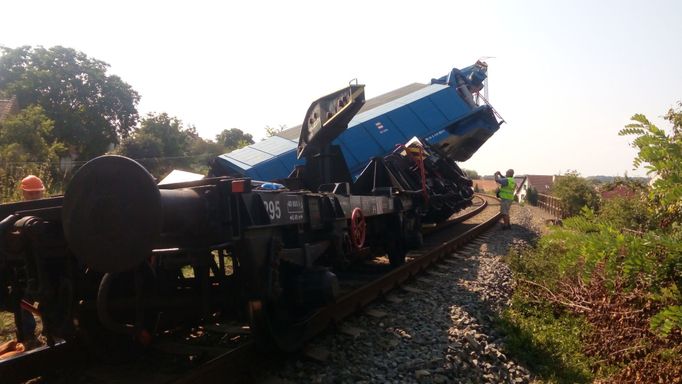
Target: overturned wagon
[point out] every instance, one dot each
(118, 254)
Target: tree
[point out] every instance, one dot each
(160, 144)
(202, 152)
(233, 138)
(90, 109)
(24, 150)
(473, 175)
(532, 196)
(661, 154)
(272, 131)
(25, 137)
(575, 193)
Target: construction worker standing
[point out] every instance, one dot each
(507, 189)
(32, 187)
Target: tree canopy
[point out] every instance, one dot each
(89, 108)
(25, 137)
(272, 131)
(575, 193)
(473, 175)
(163, 143)
(233, 138)
(661, 153)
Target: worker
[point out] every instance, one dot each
(506, 195)
(32, 187)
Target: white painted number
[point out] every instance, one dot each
(274, 211)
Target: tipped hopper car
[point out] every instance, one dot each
(260, 239)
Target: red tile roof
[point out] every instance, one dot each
(541, 183)
(618, 191)
(7, 107)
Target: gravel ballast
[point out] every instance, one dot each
(435, 329)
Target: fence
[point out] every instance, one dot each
(551, 204)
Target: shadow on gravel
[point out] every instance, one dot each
(519, 344)
(473, 299)
(542, 361)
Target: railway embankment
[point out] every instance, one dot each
(442, 327)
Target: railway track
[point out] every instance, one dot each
(204, 354)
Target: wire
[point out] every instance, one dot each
(81, 162)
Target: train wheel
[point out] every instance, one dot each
(274, 321)
(137, 285)
(396, 246)
(274, 324)
(358, 228)
(412, 233)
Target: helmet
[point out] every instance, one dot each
(510, 173)
(32, 183)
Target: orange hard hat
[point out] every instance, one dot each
(32, 183)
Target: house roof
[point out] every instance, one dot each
(519, 183)
(7, 107)
(541, 183)
(619, 190)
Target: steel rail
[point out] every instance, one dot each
(235, 362)
(223, 367)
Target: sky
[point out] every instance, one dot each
(566, 76)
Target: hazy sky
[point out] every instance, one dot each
(566, 76)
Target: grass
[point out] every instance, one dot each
(546, 342)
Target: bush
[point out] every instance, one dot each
(575, 193)
(11, 175)
(532, 196)
(625, 212)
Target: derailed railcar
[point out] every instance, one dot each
(120, 255)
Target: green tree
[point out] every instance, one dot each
(90, 109)
(160, 144)
(272, 131)
(473, 175)
(201, 153)
(660, 154)
(532, 196)
(25, 137)
(24, 150)
(575, 193)
(233, 138)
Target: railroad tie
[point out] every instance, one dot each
(351, 331)
(394, 299)
(375, 313)
(413, 290)
(316, 353)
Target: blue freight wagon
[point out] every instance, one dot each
(446, 113)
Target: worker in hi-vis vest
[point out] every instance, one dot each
(506, 195)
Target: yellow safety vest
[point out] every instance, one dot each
(507, 191)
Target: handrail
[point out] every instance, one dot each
(551, 204)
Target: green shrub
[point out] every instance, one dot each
(532, 196)
(625, 212)
(575, 193)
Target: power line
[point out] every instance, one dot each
(81, 162)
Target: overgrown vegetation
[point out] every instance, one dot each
(599, 298)
(575, 192)
(532, 196)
